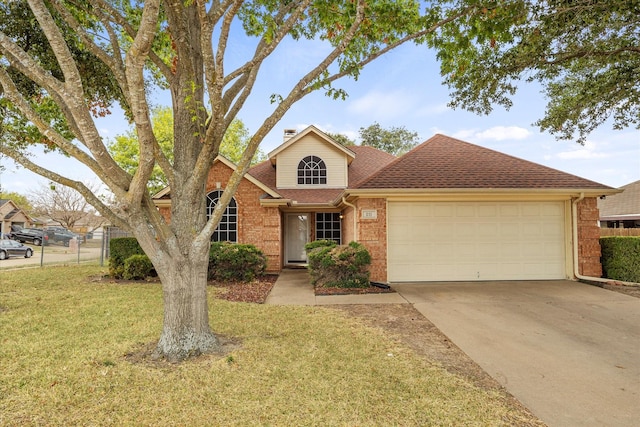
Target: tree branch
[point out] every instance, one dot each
(116, 17)
(78, 186)
(134, 62)
(392, 46)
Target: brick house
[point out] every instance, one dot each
(447, 210)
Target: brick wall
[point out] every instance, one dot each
(348, 233)
(589, 238)
(257, 225)
(372, 233)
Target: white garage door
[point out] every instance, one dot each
(432, 241)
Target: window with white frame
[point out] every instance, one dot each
(312, 170)
(227, 230)
(328, 226)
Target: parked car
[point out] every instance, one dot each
(60, 234)
(10, 248)
(33, 235)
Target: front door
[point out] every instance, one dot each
(296, 237)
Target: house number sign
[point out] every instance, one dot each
(369, 214)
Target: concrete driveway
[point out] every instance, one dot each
(568, 351)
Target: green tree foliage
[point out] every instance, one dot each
(585, 53)
(342, 139)
(94, 52)
(18, 23)
(125, 148)
(396, 140)
(22, 201)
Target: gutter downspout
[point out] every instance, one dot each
(576, 267)
(355, 218)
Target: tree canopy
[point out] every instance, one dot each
(62, 204)
(585, 53)
(94, 53)
(125, 150)
(396, 140)
(22, 201)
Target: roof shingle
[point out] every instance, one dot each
(625, 203)
(445, 162)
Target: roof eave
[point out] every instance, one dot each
(569, 192)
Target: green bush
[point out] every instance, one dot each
(120, 249)
(343, 266)
(138, 267)
(320, 243)
(233, 261)
(621, 258)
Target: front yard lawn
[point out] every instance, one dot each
(65, 359)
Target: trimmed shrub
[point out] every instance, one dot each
(120, 249)
(621, 258)
(343, 266)
(234, 261)
(138, 267)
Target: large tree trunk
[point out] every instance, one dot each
(185, 331)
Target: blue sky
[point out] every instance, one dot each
(401, 89)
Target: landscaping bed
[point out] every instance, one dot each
(255, 291)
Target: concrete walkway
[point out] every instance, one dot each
(293, 287)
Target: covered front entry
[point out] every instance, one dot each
(296, 235)
(462, 241)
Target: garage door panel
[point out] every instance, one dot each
(509, 210)
(476, 241)
(531, 229)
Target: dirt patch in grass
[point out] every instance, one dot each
(144, 354)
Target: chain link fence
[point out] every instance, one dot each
(48, 252)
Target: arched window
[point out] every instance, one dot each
(227, 230)
(312, 170)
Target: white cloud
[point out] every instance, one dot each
(465, 134)
(496, 133)
(501, 133)
(587, 151)
(380, 105)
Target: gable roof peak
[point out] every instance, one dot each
(291, 139)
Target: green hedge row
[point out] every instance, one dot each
(343, 266)
(621, 258)
(227, 261)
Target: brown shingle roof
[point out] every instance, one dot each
(445, 162)
(368, 161)
(264, 172)
(625, 203)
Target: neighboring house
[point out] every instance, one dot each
(447, 210)
(621, 210)
(11, 214)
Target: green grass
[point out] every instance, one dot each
(64, 337)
